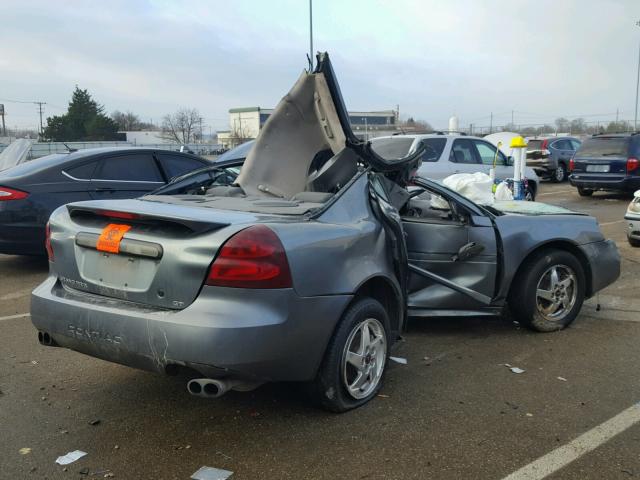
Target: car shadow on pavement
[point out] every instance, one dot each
(465, 327)
(21, 263)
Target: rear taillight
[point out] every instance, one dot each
(252, 258)
(11, 194)
(572, 165)
(47, 242)
(545, 144)
(632, 164)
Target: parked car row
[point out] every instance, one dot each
(301, 258)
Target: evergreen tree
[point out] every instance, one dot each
(84, 121)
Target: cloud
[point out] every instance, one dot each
(541, 59)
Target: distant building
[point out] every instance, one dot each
(145, 137)
(246, 123)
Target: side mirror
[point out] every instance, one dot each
(510, 161)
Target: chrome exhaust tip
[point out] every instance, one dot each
(209, 388)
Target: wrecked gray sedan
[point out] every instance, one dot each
(307, 267)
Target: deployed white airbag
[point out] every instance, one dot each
(477, 187)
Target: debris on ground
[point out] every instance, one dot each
(562, 379)
(514, 369)
(225, 456)
(210, 473)
(25, 451)
(383, 396)
(84, 471)
(529, 414)
(70, 457)
(95, 422)
(400, 360)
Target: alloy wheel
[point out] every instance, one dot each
(556, 292)
(363, 358)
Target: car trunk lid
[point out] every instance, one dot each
(161, 260)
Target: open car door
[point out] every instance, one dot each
(452, 253)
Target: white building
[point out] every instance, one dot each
(146, 137)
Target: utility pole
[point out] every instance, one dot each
(4, 130)
(491, 124)
(40, 104)
(511, 117)
(635, 118)
(311, 35)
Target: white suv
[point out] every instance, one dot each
(446, 154)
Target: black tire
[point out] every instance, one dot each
(524, 300)
(530, 195)
(560, 174)
(633, 242)
(585, 192)
(329, 388)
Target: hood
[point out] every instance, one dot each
(310, 126)
(531, 208)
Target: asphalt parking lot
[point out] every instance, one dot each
(454, 411)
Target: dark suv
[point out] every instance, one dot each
(550, 157)
(607, 162)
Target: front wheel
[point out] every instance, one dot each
(549, 291)
(560, 173)
(585, 192)
(633, 242)
(356, 358)
(529, 196)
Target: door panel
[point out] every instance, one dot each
(432, 246)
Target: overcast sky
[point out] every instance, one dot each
(542, 59)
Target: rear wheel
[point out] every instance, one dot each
(560, 173)
(549, 292)
(585, 192)
(353, 368)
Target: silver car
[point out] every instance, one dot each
(450, 153)
(307, 267)
(632, 218)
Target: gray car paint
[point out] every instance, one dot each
(166, 317)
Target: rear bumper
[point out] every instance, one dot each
(633, 226)
(255, 334)
(625, 184)
(22, 239)
(543, 166)
(604, 259)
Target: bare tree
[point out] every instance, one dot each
(130, 122)
(416, 125)
(239, 134)
(182, 126)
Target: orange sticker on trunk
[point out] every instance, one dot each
(109, 240)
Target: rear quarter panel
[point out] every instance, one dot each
(338, 251)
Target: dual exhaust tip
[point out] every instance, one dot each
(209, 387)
(44, 338)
